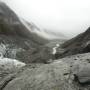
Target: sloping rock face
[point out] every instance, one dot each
(17, 40)
(77, 45)
(70, 73)
(46, 77)
(10, 24)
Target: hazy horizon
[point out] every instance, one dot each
(65, 16)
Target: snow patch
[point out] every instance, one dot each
(8, 63)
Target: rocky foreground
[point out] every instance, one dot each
(70, 73)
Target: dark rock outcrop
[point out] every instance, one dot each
(77, 45)
(11, 24)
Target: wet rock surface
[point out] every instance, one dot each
(46, 77)
(70, 73)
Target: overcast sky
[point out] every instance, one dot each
(70, 17)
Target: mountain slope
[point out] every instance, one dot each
(18, 41)
(79, 44)
(44, 33)
(13, 25)
(10, 24)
